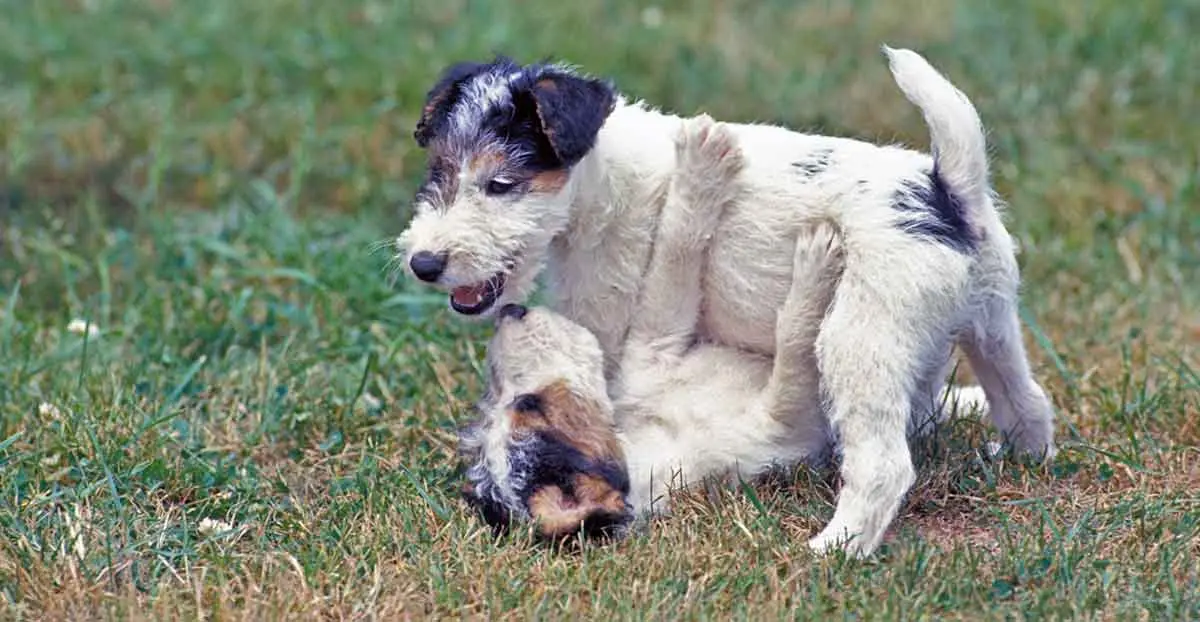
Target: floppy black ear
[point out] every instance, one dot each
(440, 99)
(571, 110)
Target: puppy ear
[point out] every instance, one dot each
(440, 99)
(571, 110)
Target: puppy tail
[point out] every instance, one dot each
(957, 139)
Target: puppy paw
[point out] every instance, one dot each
(819, 257)
(819, 243)
(829, 541)
(1037, 446)
(964, 400)
(708, 161)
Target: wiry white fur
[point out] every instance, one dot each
(484, 235)
(682, 411)
(677, 401)
(955, 130)
(902, 302)
(685, 411)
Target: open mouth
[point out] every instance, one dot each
(475, 299)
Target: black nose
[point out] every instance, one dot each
(513, 311)
(428, 266)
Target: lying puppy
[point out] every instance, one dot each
(552, 448)
(536, 166)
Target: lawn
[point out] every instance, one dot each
(219, 400)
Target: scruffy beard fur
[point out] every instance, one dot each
(498, 187)
(485, 235)
(926, 262)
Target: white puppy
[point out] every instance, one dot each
(552, 447)
(536, 166)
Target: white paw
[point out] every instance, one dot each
(819, 244)
(965, 400)
(819, 258)
(708, 159)
(1037, 447)
(1040, 449)
(833, 539)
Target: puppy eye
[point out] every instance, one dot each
(500, 186)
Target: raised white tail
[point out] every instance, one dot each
(957, 139)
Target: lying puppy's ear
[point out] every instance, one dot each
(571, 110)
(440, 100)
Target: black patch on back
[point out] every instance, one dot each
(933, 212)
(814, 163)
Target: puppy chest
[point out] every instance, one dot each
(746, 281)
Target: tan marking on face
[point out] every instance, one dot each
(554, 513)
(433, 104)
(486, 161)
(558, 514)
(580, 421)
(592, 490)
(548, 182)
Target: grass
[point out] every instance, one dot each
(252, 422)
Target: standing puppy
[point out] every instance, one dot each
(536, 167)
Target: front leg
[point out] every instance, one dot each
(703, 183)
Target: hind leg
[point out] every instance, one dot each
(886, 332)
(1018, 406)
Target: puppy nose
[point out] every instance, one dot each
(428, 266)
(514, 311)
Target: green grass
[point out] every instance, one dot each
(209, 185)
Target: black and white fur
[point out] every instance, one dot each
(540, 169)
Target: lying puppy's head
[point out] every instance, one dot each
(545, 450)
(502, 140)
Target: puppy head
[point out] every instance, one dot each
(536, 347)
(502, 141)
(545, 449)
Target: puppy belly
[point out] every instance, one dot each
(748, 276)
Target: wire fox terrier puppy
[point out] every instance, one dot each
(539, 169)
